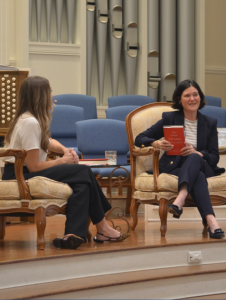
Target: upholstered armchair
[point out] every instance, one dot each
(158, 189)
(38, 196)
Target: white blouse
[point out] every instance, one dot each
(191, 132)
(26, 135)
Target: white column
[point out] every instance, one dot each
(22, 33)
(200, 43)
(4, 32)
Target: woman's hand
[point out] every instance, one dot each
(164, 145)
(189, 149)
(69, 157)
(75, 155)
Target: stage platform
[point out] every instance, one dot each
(145, 266)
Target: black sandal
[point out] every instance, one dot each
(120, 238)
(217, 234)
(72, 242)
(174, 209)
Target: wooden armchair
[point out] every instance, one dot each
(38, 196)
(158, 189)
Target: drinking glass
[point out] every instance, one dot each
(112, 157)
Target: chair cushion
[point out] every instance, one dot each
(167, 182)
(10, 204)
(40, 188)
(45, 188)
(36, 203)
(9, 190)
(144, 182)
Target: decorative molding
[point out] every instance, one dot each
(54, 49)
(212, 70)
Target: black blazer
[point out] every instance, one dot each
(207, 140)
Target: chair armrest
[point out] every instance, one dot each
(155, 163)
(18, 166)
(142, 151)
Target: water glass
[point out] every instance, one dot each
(112, 157)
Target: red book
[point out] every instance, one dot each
(175, 135)
(93, 161)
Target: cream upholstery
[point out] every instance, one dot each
(9, 190)
(44, 188)
(158, 189)
(37, 196)
(40, 188)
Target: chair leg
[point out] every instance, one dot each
(163, 215)
(128, 200)
(2, 227)
(40, 220)
(133, 210)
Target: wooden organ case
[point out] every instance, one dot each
(10, 82)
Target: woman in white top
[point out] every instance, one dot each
(198, 159)
(30, 131)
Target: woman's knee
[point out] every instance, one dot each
(195, 157)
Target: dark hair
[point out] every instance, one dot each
(183, 85)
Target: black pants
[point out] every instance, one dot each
(194, 170)
(86, 200)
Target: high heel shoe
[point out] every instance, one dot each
(174, 209)
(217, 234)
(72, 242)
(120, 238)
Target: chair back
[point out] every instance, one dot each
(213, 101)
(138, 121)
(218, 113)
(119, 112)
(88, 103)
(94, 137)
(62, 127)
(122, 100)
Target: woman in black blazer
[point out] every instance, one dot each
(198, 159)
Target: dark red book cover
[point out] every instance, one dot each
(175, 135)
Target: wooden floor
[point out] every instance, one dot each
(19, 249)
(20, 241)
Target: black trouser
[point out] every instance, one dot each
(86, 200)
(194, 170)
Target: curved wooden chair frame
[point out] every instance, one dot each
(39, 213)
(162, 203)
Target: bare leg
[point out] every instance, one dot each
(180, 200)
(104, 228)
(212, 222)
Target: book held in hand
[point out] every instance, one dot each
(94, 162)
(175, 135)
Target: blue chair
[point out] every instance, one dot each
(62, 127)
(129, 100)
(94, 137)
(218, 113)
(119, 112)
(213, 101)
(88, 103)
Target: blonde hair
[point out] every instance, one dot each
(34, 97)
